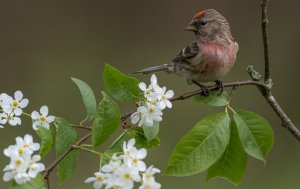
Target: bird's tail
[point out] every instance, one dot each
(163, 67)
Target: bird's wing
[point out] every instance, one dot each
(187, 53)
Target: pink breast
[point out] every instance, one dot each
(217, 60)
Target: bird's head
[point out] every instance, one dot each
(208, 24)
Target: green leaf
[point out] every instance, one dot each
(232, 164)
(66, 136)
(88, 98)
(255, 133)
(201, 147)
(36, 183)
(67, 166)
(107, 120)
(151, 132)
(46, 140)
(214, 99)
(122, 87)
(140, 142)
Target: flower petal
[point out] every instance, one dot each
(90, 179)
(50, 119)
(35, 115)
(44, 110)
(24, 103)
(18, 95)
(143, 86)
(169, 94)
(153, 80)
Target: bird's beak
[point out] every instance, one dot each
(191, 27)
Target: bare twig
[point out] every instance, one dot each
(264, 24)
(266, 92)
(238, 83)
(285, 120)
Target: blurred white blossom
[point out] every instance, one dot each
(42, 119)
(15, 104)
(11, 108)
(23, 166)
(125, 170)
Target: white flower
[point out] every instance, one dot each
(14, 105)
(148, 93)
(97, 180)
(147, 115)
(151, 92)
(154, 85)
(149, 180)
(113, 165)
(9, 118)
(134, 159)
(164, 98)
(15, 169)
(27, 143)
(41, 119)
(128, 146)
(127, 176)
(23, 147)
(152, 114)
(35, 167)
(138, 116)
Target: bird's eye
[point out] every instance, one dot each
(203, 23)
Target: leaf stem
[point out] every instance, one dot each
(26, 114)
(87, 150)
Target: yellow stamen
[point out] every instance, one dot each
(15, 104)
(127, 176)
(42, 119)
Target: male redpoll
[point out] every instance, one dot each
(210, 58)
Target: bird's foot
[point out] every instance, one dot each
(220, 86)
(205, 90)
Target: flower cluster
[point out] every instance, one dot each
(23, 164)
(11, 108)
(155, 99)
(124, 170)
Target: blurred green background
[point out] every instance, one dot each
(44, 43)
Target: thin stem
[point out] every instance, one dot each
(233, 90)
(264, 25)
(230, 108)
(26, 114)
(87, 150)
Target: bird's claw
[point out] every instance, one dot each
(204, 89)
(220, 86)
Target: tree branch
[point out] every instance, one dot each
(285, 120)
(266, 92)
(264, 24)
(238, 83)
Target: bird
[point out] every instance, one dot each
(209, 58)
